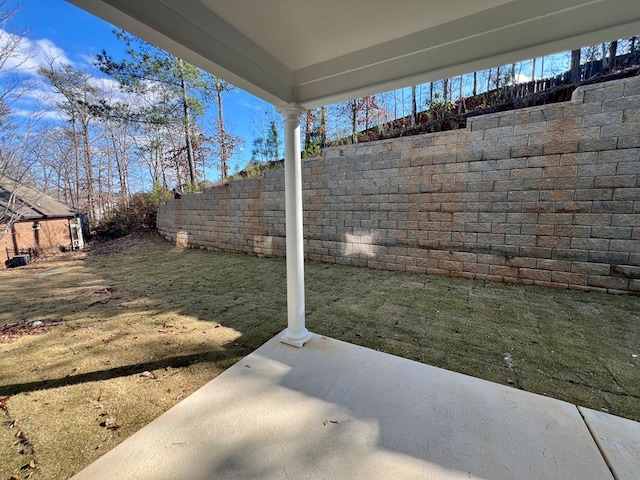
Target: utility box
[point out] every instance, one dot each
(75, 225)
(18, 261)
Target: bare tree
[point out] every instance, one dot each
(15, 132)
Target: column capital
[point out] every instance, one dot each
(291, 110)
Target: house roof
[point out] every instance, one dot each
(29, 203)
(315, 52)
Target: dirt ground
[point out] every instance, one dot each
(95, 345)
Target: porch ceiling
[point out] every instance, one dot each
(316, 52)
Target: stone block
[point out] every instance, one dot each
(625, 220)
(628, 194)
(507, 186)
(522, 262)
(580, 109)
(612, 207)
(592, 219)
(550, 241)
(559, 172)
(513, 141)
(508, 251)
(530, 128)
(621, 103)
(569, 278)
(521, 240)
(629, 141)
(606, 93)
(524, 196)
(588, 268)
(473, 267)
(615, 181)
(612, 258)
(535, 274)
(499, 132)
(503, 271)
(503, 228)
(570, 254)
(538, 207)
(525, 173)
(617, 156)
(553, 195)
(535, 252)
(600, 119)
(527, 151)
(496, 153)
(491, 259)
(631, 86)
(522, 218)
(596, 145)
(586, 194)
(545, 138)
(626, 129)
(507, 207)
(532, 229)
(616, 283)
(630, 246)
(483, 122)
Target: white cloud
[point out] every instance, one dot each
(87, 61)
(24, 56)
(55, 115)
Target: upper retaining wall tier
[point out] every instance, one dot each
(543, 195)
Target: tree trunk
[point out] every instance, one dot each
(574, 70)
(186, 126)
(88, 167)
(460, 96)
(222, 135)
(354, 120)
(274, 136)
(76, 152)
(122, 174)
(414, 106)
(323, 126)
(475, 84)
(308, 129)
(533, 74)
(613, 52)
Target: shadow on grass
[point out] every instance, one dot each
(121, 371)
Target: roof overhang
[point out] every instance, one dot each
(314, 52)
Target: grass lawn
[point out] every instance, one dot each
(133, 327)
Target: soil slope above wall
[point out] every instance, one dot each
(544, 195)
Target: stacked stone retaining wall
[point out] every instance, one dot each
(544, 195)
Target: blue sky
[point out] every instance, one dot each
(57, 28)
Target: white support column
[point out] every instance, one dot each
(296, 333)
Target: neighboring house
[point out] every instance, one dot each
(34, 222)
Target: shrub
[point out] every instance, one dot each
(137, 215)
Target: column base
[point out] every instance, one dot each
(296, 340)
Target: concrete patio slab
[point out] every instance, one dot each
(618, 440)
(333, 410)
